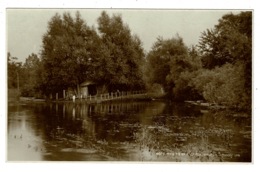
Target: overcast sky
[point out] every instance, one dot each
(25, 27)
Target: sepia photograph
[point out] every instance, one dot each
(129, 85)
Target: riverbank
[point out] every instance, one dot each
(206, 104)
(90, 100)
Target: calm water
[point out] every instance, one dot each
(130, 131)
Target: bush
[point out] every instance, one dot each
(223, 85)
(183, 89)
(27, 91)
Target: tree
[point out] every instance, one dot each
(165, 62)
(68, 48)
(222, 85)
(122, 54)
(228, 42)
(14, 68)
(30, 76)
(183, 70)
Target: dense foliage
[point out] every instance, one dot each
(30, 68)
(122, 55)
(14, 69)
(226, 51)
(68, 48)
(23, 78)
(217, 70)
(165, 62)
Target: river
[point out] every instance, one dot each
(126, 131)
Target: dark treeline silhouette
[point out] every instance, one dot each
(218, 69)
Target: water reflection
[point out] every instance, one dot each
(25, 135)
(127, 131)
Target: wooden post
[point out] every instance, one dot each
(64, 94)
(63, 110)
(57, 108)
(57, 96)
(73, 113)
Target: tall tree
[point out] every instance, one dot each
(230, 41)
(13, 71)
(183, 70)
(123, 54)
(30, 76)
(67, 51)
(166, 61)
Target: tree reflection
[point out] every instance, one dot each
(134, 131)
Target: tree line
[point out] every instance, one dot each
(218, 69)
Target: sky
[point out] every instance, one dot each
(25, 27)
